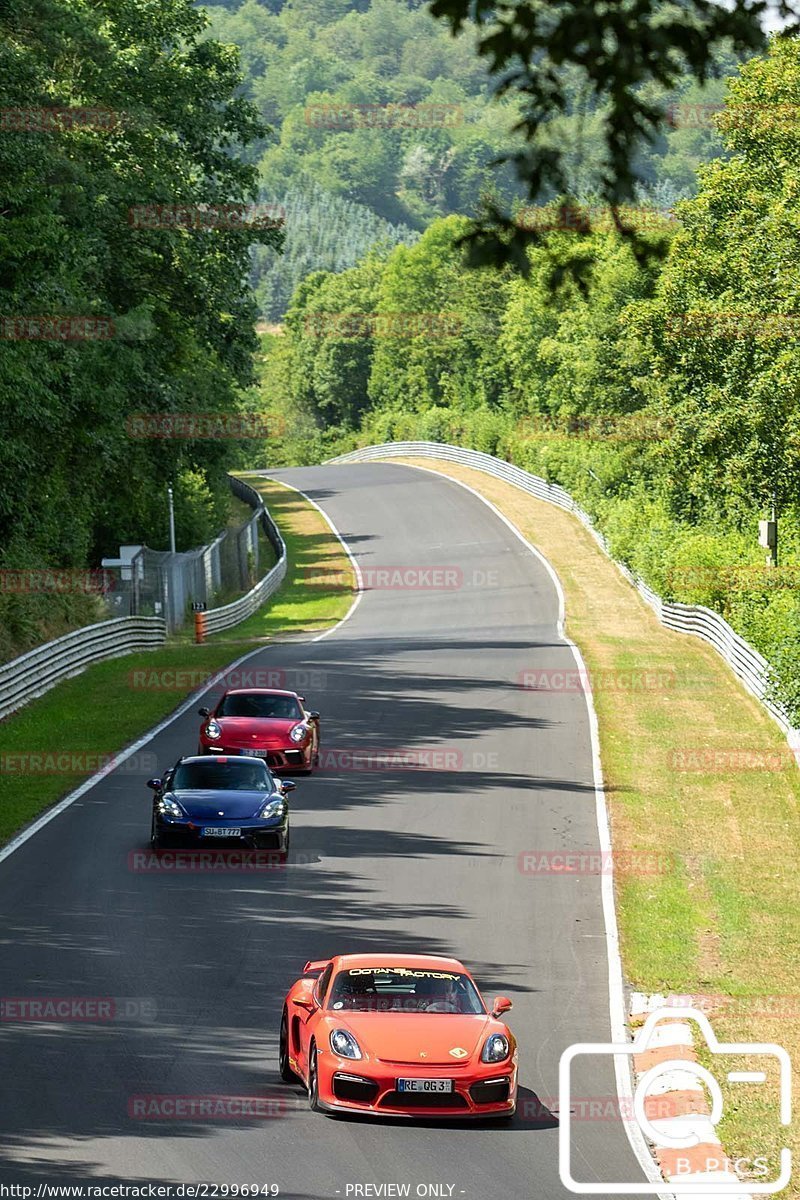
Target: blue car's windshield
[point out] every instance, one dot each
(238, 776)
(259, 704)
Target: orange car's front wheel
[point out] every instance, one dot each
(287, 1074)
(313, 1081)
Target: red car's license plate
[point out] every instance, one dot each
(424, 1085)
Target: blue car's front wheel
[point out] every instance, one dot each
(155, 840)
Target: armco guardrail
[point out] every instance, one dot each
(36, 672)
(218, 619)
(745, 662)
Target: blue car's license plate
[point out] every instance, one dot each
(221, 831)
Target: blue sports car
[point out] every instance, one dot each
(221, 800)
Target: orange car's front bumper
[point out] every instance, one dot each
(370, 1087)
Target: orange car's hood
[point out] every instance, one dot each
(407, 1037)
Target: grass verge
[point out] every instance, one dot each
(53, 744)
(700, 778)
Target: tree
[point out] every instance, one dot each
(618, 48)
(176, 299)
(718, 347)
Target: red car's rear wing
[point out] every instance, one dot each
(320, 965)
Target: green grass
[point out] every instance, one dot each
(111, 704)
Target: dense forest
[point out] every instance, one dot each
(660, 388)
(376, 105)
(664, 397)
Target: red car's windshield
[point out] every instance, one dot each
(256, 705)
(404, 989)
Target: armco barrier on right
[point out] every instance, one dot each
(745, 662)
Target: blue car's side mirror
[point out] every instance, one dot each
(155, 784)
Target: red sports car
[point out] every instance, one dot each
(398, 1035)
(263, 723)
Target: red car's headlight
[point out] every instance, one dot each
(299, 733)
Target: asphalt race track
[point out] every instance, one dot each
(403, 859)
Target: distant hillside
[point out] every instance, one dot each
(378, 107)
(323, 233)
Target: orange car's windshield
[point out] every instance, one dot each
(404, 989)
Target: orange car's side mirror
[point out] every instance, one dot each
(306, 1002)
(500, 1005)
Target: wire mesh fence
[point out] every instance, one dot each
(158, 583)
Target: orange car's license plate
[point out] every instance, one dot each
(424, 1085)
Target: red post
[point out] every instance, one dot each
(199, 627)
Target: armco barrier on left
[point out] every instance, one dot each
(36, 672)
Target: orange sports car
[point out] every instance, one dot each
(398, 1035)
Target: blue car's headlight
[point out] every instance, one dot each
(298, 733)
(344, 1044)
(170, 808)
(496, 1048)
(275, 807)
